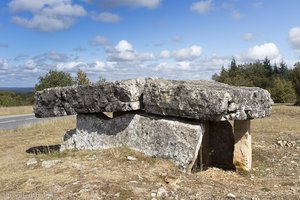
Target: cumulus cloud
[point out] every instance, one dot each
(106, 17)
(294, 38)
(202, 7)
(259, 52)
(165, 66)
(130, 3)
(248, 36)
(47, 15)
(189, 53)
(124, 51)
(99, 41)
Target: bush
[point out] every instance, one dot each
(282, 91)
(54, 79)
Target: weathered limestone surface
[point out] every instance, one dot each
(107, 97)
(242, 157)
(205, 100)
(170, 138)
(162, 118)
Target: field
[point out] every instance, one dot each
(109, 174)
(17, 110)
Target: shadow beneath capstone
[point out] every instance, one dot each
(46, 149)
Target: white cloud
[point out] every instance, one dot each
(202, 7)
(165, 54)
(47, 15)
(248, 36)
(124, 52)
(69, 66)
(57, 57)
(236, 14)
(30, 64)
(25, 5)
(166, 67)
(99, 41)
(260, 52)
(294, 38)
(3, 64)
(189, 53)
(124, 45)
(106, 17)
(130, 3)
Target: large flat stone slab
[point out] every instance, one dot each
(107, 97)
(170, 138)
(205, 100)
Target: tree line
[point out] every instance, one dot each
(283, 83)
(9, 98)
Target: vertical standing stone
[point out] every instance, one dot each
(242, 157)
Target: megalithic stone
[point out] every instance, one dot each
(114, 96)
(163, 118)
(171, 138)
(197, 99)
(205, 100)
(242, 156)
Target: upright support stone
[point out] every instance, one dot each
(171, 138)
(242, 156)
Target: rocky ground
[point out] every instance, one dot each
(124, 174)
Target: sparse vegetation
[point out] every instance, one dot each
(82, 78)
(9, 98)
(107, 174)
(15, 110)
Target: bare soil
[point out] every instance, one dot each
(110, 174)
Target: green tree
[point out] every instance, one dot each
(82, 78)
(54, 79)
(295, 79)
(282, 91)
(268, 67)
(283, 70)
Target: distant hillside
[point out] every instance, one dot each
(18, 89)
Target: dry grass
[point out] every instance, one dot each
(17, 110)
(107, 174)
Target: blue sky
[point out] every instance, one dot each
(121, 39)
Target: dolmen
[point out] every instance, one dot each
(194, 123)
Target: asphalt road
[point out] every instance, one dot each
(15, 121)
